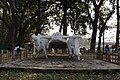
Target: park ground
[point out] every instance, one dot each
(59, 68)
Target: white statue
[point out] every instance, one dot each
(74, 46)
(39, 44)
(42, 43)
(57, 37)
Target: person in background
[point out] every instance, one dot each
(107, 49)
(18, 49)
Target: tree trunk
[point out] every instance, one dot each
(13, 22)
(94, 33)
(14, 30)
(117, 33)
(60, 29)
(21, 34)
(64, 19)
(13, 38)
(3, 28)
(9, 35)
(93, 40)
(99, 42)
(38, 18)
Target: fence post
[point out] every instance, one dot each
(0, 58)
(1, 51)
(118, 56)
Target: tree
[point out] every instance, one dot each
(103, 19)
(43, 13)
(77, 18)
(21, 17)
(96, 4)
(118, 29)
(64, 5)
(3, 29)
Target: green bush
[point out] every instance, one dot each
(29, 75)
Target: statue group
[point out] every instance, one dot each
(42, 43)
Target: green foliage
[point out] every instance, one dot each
(19, 75)
(78, 19)
(26, 16)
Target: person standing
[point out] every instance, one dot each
(107, 49)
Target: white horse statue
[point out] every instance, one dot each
(74, 46)
(39, 44)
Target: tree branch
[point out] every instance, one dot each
(94, 2)
(7, 25)
(28, 21)
(109, 16)
(89, 15)
(100, 4)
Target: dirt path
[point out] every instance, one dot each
(65, 63)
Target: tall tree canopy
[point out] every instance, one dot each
(21, 17)
(95, 7)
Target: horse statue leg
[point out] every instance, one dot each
(34, 50)
(44, 49)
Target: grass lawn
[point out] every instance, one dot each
(29, 75)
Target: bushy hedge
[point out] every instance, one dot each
(29, 75)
